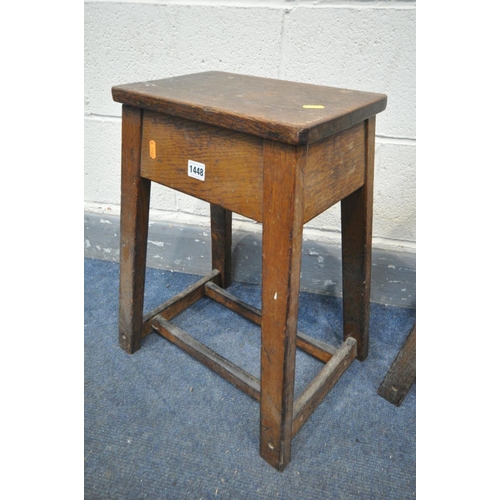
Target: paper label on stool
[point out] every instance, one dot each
(196, 170)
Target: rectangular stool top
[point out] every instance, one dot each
(294, 113)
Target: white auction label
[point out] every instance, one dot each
(196, 170)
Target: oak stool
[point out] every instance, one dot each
(279, 153)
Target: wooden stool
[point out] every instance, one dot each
(277, 152)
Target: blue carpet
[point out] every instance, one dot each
(160, 425)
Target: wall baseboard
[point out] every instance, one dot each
(186, 249)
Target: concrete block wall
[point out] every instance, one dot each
(364, 45)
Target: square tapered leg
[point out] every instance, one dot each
(357, 214)
(282, 243)
(134, 218)
(221, 222)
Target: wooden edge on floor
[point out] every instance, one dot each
(229, 371)
(314, 393)
(402, 372)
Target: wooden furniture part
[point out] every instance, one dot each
(402, 372)
(277, 152)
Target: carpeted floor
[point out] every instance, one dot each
(160, 425)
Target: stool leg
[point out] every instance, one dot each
(356, 216)
(402, 372)
(135, 194)
(282, 242)
(221, 222)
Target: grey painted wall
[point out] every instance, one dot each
(364, 45)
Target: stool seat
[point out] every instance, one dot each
(295, 113)
(277, 152)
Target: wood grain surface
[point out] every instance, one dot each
(266, 107)
(281, 253)
(356, 219)
(135, 196)
(335, 168)
(233, 162)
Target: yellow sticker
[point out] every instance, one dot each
(152, 149)
(313, 106)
